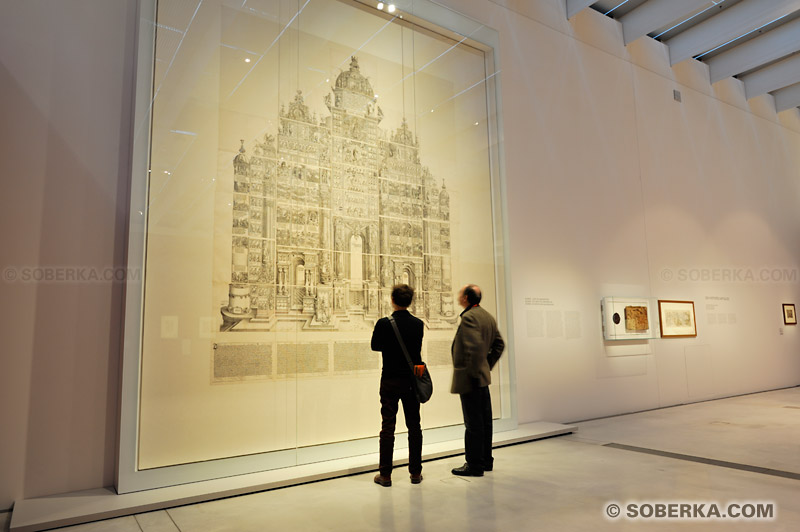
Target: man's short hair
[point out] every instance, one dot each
(473, 294)
(402, 294)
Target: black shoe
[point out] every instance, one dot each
(467, 471)
(382, 480)
(489, 465)
(416, 479)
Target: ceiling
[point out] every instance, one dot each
(755, 41)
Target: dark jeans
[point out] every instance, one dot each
(392, 391)
(477, 408)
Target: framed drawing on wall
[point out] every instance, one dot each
(789, 315)
(677, 319)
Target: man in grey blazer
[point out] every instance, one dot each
(477, 347)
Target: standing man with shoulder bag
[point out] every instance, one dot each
(399, 339)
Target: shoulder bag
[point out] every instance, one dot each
(423, 385)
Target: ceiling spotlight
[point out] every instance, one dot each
(391, 8)
(380, 6)
(246, 59)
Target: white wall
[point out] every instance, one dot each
(66, 71)
(610, 184)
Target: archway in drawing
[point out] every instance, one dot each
(407, 276)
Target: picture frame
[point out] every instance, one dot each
(789, 314)
(677, 319)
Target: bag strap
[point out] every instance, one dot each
(402, 343)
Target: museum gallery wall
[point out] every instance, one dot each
(305, 157)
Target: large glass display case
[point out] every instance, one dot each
(294, 161)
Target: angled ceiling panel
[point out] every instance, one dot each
(575, 6)
(787, 97)
(657, 14)
(776, 76)
(728, 25)
(771, 46)
(756, 40)
(617, 9)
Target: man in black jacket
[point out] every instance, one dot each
(397, 384)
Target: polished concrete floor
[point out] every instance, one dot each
(738, 450)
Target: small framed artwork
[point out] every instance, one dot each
(789, 315)
(677, 319)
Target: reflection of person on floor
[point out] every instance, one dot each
(397, 383)
(477, 347)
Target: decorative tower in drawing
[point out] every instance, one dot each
(332, 213)
(354, 190)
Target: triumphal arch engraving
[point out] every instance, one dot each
(331, 213)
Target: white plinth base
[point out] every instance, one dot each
(104, 503)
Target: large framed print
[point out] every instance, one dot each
(677, 319)
(789, 315)
(293, 161)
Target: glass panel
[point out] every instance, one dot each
(448, 117)
(306, 157)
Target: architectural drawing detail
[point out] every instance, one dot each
(332, 213)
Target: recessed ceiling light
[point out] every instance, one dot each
(246, 59)
(380, 6)
(391, 8)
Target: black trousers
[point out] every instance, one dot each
(394, 390)
(477, 408)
